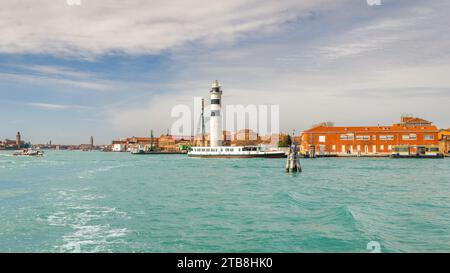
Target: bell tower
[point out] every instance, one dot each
(18, 140)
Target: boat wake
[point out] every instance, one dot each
(88, 223)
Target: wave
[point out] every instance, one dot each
(312, 209)
(92, 238)
(89, 229)
(90, 174)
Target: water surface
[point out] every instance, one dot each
(116, 202)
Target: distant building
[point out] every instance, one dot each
(9, 144)
(444, 141)
(18, 140)
(119, 146)
(165, 142)
(411, 133)
(241, 138)
(141, 142)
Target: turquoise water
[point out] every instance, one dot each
(117, 202)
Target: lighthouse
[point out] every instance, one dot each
(216, 116)
(216, 150)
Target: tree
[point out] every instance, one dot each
(285, 141)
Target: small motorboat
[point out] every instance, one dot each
(29, 152)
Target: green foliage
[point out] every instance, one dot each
(285, 141)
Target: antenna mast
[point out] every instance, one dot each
(203, 122)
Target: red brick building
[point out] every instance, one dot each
(411, 134)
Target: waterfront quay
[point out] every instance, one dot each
(411, 136)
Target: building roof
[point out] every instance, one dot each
(141, 139)
(407, 124)
(413, 120)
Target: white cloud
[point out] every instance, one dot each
(50, 106)
(366, 73)
(134, 26)
(51, 80)
(347, 63)
(55, 70)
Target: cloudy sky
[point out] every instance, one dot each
(113, 68)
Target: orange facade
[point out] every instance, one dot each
(444, 141)
(412, 133)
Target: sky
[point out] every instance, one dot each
(113, 69)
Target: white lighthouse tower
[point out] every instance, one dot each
(216, 150)
(216, 115)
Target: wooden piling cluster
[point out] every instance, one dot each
(292, 161)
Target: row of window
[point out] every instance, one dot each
(226, 149)
(386, 137)
(381, 137)
(375, 148)
(349, 148)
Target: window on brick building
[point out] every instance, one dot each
(363, 137)
(347, 137)
(409, 137)
(386, 137)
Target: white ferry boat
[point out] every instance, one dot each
(236, 152)
(216, 150)
(28, 152)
